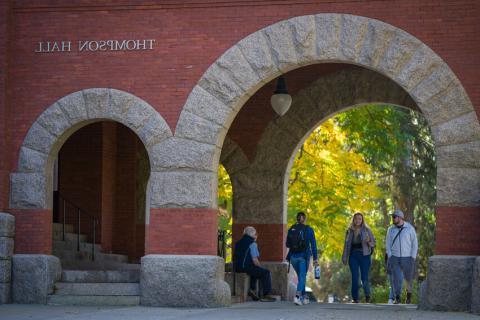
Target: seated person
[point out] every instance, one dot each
(246, 260)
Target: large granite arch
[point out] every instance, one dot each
(322, 38)
(31, 184)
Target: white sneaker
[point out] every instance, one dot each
(297, 301)
(390, 301)
(306, 300)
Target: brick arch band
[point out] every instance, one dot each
(31, 184)
(393, 53)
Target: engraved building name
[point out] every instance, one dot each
(94, 45)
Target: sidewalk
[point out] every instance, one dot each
(251, 310)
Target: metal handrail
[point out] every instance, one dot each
(80, 211)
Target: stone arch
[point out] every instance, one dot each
(369, 43)
(30, 184)
(260, 186)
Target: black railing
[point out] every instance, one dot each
(222, 243)
(79, 214)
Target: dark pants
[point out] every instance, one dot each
(262, 274)
(358, 260)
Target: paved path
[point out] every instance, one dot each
(247, 311)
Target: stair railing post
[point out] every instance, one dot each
(78, 231)
(93, 240)
(64, 214)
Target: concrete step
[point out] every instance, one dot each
(97, 265)
(87, 256)
(112, 276)
(69, 236)
(93, 300)
(59, 227)
(97, 289)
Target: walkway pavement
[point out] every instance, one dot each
(247, 311)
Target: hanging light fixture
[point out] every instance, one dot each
(280, 99)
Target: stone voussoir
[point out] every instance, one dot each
(328, 38)
(31, 160)
(54, 120)
(257, 52)
(27, 190)
(193, 127)
(280, 41)
(304, 38)
(206, 106)
(73, 107)
(219, 84)
(97, 102)
(38, 138)
(353, 30)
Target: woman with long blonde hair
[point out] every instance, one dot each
(357, 251)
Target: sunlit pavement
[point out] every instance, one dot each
(250, 310)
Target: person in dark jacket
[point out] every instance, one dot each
(357, 251)
(247, 260)
(301, 260)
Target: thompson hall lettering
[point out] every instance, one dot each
(95, 45)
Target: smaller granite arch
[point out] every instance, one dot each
(31, 183)
(260, 186)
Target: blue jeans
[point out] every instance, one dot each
(358, 260)
(391, 294)
(300, 266)
(401, 268)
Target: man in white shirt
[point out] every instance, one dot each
(402, 247)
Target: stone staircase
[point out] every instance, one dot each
(107, 280)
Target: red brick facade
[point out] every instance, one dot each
(457, 231)
(189, 36)
(182, 231)
(33, 231)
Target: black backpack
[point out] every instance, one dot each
(296, 238)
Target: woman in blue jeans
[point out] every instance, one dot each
(357, 251)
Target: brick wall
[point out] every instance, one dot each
(33, 231)
(182, 231)
(4, 34)
(457, 231)
(80, 175)
(108, 183)
(190, 37)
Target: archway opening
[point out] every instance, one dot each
(371, 159)
(100, 190)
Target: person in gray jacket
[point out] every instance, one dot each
(402, 247)
(357, 251)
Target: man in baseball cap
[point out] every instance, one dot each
(402, 247)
